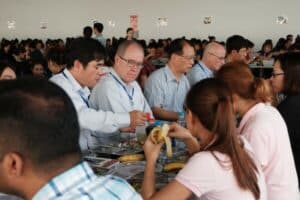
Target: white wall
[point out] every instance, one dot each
(254, 19)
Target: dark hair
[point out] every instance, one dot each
(5, 43)
(211, 38)
(267, 42)
(37, 62)
(289, 37)
(290, 64)
(84, 50)
(129, 29)
(240, 80)
(210, 100)
(235, 42)
(280, 45)
(17, 51)
(38, 121)
(57, 56)
(250, 44)
(152, 45)
(87, 32)
(39, 42)
(176, 46)
(297, 40)
(4, 64)
(98, 26)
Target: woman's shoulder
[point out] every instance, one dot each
(209, 158)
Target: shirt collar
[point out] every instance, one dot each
(65, 182)
(169, 74)
(77, 87)
(205, 68)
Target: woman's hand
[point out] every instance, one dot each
(152, 150)
(179, 132)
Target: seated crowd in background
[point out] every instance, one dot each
(99, 88)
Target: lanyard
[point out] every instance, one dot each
(203, 69)
(124, 88)
(83, 99)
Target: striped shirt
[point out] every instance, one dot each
(80, 183)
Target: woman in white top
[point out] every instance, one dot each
(221, 167)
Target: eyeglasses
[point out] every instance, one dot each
(132, 63)
(277, 74)
(188, 57)
(220, 58)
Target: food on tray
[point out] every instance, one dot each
(173, 166)
(131, 158)
(160, 134)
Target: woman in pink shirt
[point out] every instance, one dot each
(221, 167)
(264, 128)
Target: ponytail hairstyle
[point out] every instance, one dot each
(210, 101)
(264, 91)
(240, 80)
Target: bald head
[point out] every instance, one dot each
(124, 46)
(129, 60)
(214, 56)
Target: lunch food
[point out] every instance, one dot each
(160, 134)
(173, 166)
(131, 158)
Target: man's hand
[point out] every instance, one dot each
(137, 118)
(127, 130)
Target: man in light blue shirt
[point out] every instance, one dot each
(212, 60)
(166, 88)
(118, 91)
(39, 150)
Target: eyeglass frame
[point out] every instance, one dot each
(273, 74)
(187, 58)
(132, 63)
(220, 58)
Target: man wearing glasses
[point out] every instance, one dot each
(166, 88)
(212, 60)
(83, 72)
(119, 91)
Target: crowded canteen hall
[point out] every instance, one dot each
(132, 100)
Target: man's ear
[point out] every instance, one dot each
(190, 117)
(13, 165)
(117, 59)
(77, 65)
